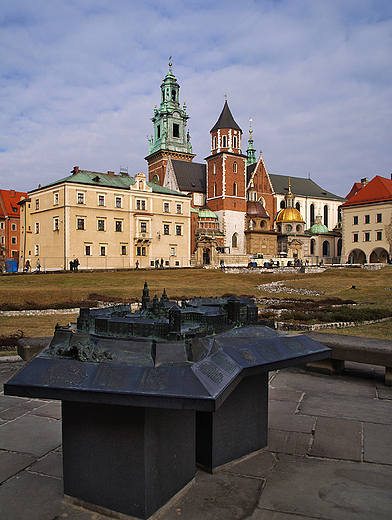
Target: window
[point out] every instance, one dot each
(367, 237)
(312, 219)
(379, 235)
(215, 143)
(176, 130)
(141, 251)
(367, 219)
(36, 249)
(166, 229)
(234, 240)
(326, 248)
(298, 206)
(235, 189)
(80, 223)
(224, 141)
(13, 240)
(101, 225)
(1, 225)
(326, 216)
(55, 224)
(55, 198)
(118, 202)
(123, 250)
(103, 251)
(235, 141)
(179, 230)
(179, 208)
(3, 240)
(87, 250)
(235, 167)
(141, 204)
(166, 207)
(355, 220)
(143, 227)
(37, 204)
(172, 251)
(173, 95)
(13, 227)
(101, 200)
(158, 131)
(80, 198)
(214, 189)
(312, 246)
(118, 225)
(37, 227)
(379, 217)
(355, 237)
(214, 169)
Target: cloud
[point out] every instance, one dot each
(79, 81)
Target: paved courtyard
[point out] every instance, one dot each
(329, 456)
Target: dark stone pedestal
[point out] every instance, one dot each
(237, 428)
(125, 458)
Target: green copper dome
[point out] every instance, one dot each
(207, 213)
(318, 228)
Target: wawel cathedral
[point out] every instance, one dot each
(238, 208)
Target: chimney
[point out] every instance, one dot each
(364, 181)
(75, 170)
(110, 173)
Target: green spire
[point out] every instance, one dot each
(250, 151)
(170, 119)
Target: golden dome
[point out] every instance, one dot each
(289, 215)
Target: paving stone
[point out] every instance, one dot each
(263, 514)
(288, 442)
(282, 394)
(320, 384)
(221, 496)
(13, 463)
(337, 439)
(286, 407)
(377, 443)
(346, 407)
(19, 409)
(51, 465)
(329, 490)
(7, 402)
(7, 370)
(384, 392)
(52, 409)
(291, 423)
(29, 434)
(258, 465)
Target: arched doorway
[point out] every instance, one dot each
(357, 256)
(379, 255)
(326, 248)
(206, 256)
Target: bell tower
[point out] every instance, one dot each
(226, 180)
(170, 136)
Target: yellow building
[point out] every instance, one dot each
(105, 221)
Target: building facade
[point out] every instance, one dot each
(9, 225)
(105, 221)
(367, 223)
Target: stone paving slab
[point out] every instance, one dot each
(378, 444)
(263, 514)
(291, 422)
(258, 465)
(288, 442)
(221, 496)
(20, 408)
(278, 407)
(7, 370)
(337, 439)
(30, 434)
(13, 463)
(51, 465)
(282, 394)
(52, 409)
(328, 490)
(358, 409)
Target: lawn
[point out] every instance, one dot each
(66, 290)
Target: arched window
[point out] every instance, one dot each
(312, 246)
(298, 206)
(235, 189)
(215, 143)
(312, 220)
(140, 185)
(235, 141)
(214, 169)
(234, 240)
(155, 179)
(235, 167)
(282, 204)
(224, 141)
(339, 247)
(326, 215)
(214, 189)
(326, 248)
(173, 96)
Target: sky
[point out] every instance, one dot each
(79, 80)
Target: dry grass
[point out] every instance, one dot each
(59, 290)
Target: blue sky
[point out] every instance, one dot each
(79, 80)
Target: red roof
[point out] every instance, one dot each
(11, 199)
(354, 190)
(378, 189)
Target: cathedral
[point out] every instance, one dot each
(238, 208)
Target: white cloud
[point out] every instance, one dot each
(79, 81)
